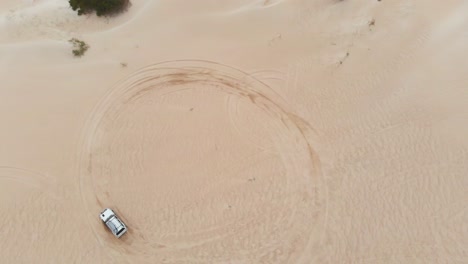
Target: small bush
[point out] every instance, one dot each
(79, 47)
(101, 7)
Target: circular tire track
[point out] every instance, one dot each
(205, 164)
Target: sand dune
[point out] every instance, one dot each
(242, 132)
(54, 19)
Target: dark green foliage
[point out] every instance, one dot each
(101, 7)
(79, 47)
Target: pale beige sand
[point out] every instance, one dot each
(243, 132)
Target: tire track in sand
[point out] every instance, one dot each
(153, 149)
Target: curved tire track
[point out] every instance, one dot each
(269, 213)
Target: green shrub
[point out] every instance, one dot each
(101, 7)
(79, 47)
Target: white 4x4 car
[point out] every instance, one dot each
(115, 225)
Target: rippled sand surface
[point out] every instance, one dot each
(283, 131)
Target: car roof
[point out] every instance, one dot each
(106, 214)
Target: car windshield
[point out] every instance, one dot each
(115, 225)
